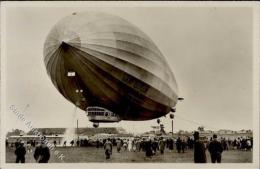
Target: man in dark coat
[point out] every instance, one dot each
(20, 152)
(148, 148)
(183, 145)
(215, 149)
(170, 144)
(155, 146)
(178, 144)
(42, 153)
(142, 145)
(199, 150)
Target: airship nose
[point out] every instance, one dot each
(66, 40)
(64, 45)
(69, 38)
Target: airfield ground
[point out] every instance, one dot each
(92, 154)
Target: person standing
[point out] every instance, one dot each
(224, 144)
(108, 146)
(178, 144)
(130, 144)
(134, 145)
(170, 144)
(29, 146)
(118, 145)
(142, 145)
(199, 149)
(20, 153)
(72, 143)
(125, 145)
(215, 149)
(161, 145)
(155, 146)
(138, 147)
(248, 144)
(42, 153)
(148, 148)
(183, 145)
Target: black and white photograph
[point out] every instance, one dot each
(136, 84)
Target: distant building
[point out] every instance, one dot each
(58, 134)
(81, 131)
(225, 132)
(228, 134)
(85, 133)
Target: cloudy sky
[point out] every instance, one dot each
(208, 49)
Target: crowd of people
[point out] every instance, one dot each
(150, 146)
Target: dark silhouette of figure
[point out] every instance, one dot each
(170, 144)
(183, 145)
(215, 149)
(72, 143)
(148, 148)
(142, 145)
(155, 146)
(178, 144)
(161, 145)
(190, 143)
(199, 150)
(118, 145)
(20, 152)
(42, 153)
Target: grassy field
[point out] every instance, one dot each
(92, 154)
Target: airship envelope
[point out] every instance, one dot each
(98, 59)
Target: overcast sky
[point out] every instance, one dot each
(208, 49)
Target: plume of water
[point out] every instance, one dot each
(70, 134)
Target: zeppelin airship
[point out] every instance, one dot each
(109, 68)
